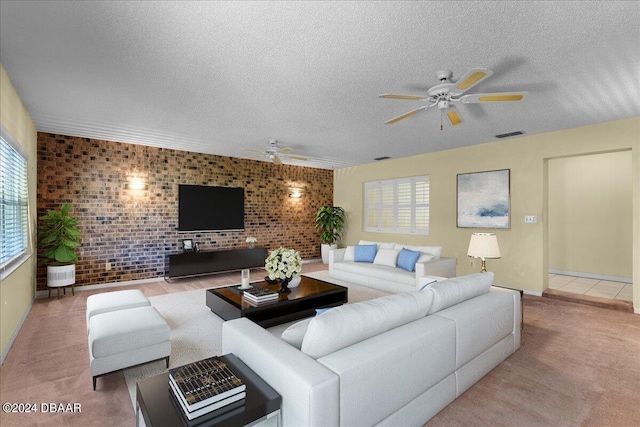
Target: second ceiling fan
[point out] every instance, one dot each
(274, 153)
(445, 94)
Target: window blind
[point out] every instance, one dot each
(14, 205)
(397, 205)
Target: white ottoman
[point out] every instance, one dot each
(114, 301)
(126, 338)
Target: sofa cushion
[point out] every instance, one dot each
(121, 331)
(343, 326)
(114, 301)
(407, 259)
(294, 334)
(365, 253)
(388, 257)
(380, 245)
(383, 272)
(425, 257)
(436, 251)
(458, 289)
(349, 253)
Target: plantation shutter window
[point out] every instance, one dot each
(397, 205)
(14, 204)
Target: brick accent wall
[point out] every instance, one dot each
(135, 230)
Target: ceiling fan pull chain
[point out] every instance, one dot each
(440, 119)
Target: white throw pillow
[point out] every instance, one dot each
(387, 257)
(349, 254)
(425, 257)
(381, 245)
(295, 333)
(348, 324)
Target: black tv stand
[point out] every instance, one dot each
(189, 264)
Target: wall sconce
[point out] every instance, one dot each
(296, 193)
(136, 184)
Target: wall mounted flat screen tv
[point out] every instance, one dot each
(207, 208)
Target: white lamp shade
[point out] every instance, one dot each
(484, 245)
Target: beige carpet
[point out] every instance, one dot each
(196, 333)
(578, 366)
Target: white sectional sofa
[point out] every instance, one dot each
(384, 273)
(393, 361)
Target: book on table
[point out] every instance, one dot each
(260, 303)
(204, 383)
(213, 409)
(259, 294)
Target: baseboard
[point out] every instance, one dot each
(636, 310)
(592, 276)
(534, 293)
(15, 333)
(45, 293)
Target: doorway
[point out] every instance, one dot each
(591, 226)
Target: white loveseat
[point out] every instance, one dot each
(384, 274)
(396, 360)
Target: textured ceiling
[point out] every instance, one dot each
(214, 77)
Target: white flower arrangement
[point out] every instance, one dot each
(251, 239)
(283, 264)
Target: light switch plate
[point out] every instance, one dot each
(530, 219)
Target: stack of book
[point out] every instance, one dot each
(205, 389)
(258, 295)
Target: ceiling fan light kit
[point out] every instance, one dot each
(445, 94)
(275, 153)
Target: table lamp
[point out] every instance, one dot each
(483, 245)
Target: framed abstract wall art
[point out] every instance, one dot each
(483, 199)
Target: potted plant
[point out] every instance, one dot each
(58, 236)
(329, 223)
(251, 241)
(284, 265)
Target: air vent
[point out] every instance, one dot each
(382, 158)
(510, 134)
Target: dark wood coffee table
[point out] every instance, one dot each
(299, 303)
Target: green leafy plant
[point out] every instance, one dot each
(329, 223)
(58, 236)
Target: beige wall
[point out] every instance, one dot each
(524, 262)
(18, 289)
(590, 214)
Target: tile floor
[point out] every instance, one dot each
(593, 287)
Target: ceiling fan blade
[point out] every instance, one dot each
(472, 78)
(492, 97)
(284, 150)
(294, 157)
(251, 149)
(409, 97)
(454, 117)
(277, 160)
(405, 115)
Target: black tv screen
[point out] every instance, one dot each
(206, 208)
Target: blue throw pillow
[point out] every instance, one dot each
(365, 253)
(407, 259)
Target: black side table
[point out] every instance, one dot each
(154, 402)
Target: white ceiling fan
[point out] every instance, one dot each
(274, 153)
(447, 93)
